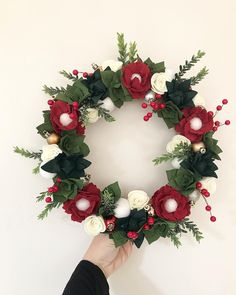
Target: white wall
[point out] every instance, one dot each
(39, 38)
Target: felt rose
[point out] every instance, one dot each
(49, 152)
(175, 141)
(195, 123)
(84, 204)
(92, 115)
(114, 65)
(158, 81)
(94, 225)
(170, 204)
(137, 79)
(137, 199)
(63, 117)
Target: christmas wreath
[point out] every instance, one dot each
(192, 152)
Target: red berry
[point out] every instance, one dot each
(75, 105)
(219, 108)
(208, 208)
(50, 102)
(113, 219)
(132, 235)
(144, 105)
(55, 188)
(58, 180)
(217, 123)
(146, 226)
(198, 185)
(214, 129)
(210, 113)
(72, 116)
(151, 220)
(75, 72)
(145, 118)
(157, 96)
(85, 74)
(205, 192)
(48, 199)
(149, 115)
(227, 122)
(156, 107)
(225, 101)
(50, 189)
(152, 104)
(213, 218)
(162, 105)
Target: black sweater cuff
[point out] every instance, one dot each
(87, 279)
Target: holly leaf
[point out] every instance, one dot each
(138, 242)
(171, 114)
(155, 67)
(46, 126)
(68, 189)
(212, 144)
(114, 189)
(119, 237)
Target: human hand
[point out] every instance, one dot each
(103, 253)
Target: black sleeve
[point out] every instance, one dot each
(87, 279)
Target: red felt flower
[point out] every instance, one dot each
(170, 204)
(60, 109)
(84, 204)
(137, 79)
(195, 123)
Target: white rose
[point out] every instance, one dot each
(122, 208)
(137, 199)
(93, 225)
(107, 104)
(198, 100)
(49, 152)
(92, 115)
(177, 139)
(176, 163)
(208, 183)
(113, 64)
(158, 81)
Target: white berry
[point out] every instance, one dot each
(196, 123)
(171, 205)
(82, 204)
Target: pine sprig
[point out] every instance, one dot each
(36, 169)
(133, 51)
(122, 48)
(48, 209)
(189, 64)
(105, 114)
(174, 238)
(26, 153)
(200, 76)
(181, 152)
(53, 91)
(107, 203)
(69, 76)
(192, 227)
(42, 196)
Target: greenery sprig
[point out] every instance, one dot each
(69, 76)
(53, 90)
(133, 52)
(189, 64)
(192, 227)
(200, 76)
(126, 55)
(26, 153)
(181, 152)
(48, 209)
(105, 114)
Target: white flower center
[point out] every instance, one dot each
(65, 119)
(82, 204)
(135, 75)
(196, 123)
(171, 205)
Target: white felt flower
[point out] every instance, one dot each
(92, 115)
(122, 208)
(113, 64)
(208, 183)
(49, 152)
(177, 139)
(158, 81)
(137, 199)
(198, 100)
(107, 104)
(93, 225)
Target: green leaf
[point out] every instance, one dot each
(45, 127)
(212, 144)
(73, 144)
(171, 114)
(114, 189)
(68, 189)
(155, 67)
(119, 237)
(153, 234)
